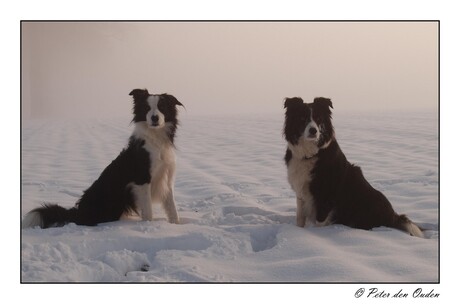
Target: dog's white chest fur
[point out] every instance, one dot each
(299, 168)
(299, 177)
(162, 161)
(299, 171)
(162, 172)
(162, 169)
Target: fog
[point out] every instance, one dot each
(72, 69)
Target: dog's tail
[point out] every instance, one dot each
(403, 223)
(49, 215)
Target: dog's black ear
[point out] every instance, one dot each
(288, 102)
(177, 102)
(139, 93)
(173, 100)
(323, 101)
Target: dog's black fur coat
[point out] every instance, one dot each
(111, 195)
(339, 190)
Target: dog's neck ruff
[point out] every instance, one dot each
(157, 136)
(303, 149)
(307, 150)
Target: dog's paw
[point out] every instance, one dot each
(174, 220)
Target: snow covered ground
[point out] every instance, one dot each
(236, 207)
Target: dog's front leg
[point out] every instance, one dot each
(170, 208)
(301, 215)
(143, 201)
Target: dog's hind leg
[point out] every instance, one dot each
(170, 208)
(403, 223)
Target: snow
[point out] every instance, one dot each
(237, 210)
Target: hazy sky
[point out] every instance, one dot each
(88, 69)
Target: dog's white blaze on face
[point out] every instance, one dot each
(155, 119)
(311, 125)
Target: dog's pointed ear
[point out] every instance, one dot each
(323, 101)
(174, 101)
(139, 93)
(178, 103)
(288, 102)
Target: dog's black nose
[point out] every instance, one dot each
(154, 118)
(312, 131)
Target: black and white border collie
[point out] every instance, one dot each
(329, 189)
(143, 172)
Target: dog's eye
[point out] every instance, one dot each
(317, 118)
(303, 119)
(161, 105)
(143, 107)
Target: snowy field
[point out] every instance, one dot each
(236, 207)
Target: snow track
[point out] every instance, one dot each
(237, 209)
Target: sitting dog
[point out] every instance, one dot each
(141, 174)
(329, 189)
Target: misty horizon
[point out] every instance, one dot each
(73, 69)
